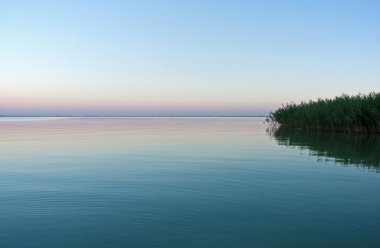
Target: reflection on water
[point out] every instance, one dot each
(180, 182)
(349, 149)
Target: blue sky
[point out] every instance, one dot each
(183, 57)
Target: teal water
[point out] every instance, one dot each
(184, 182)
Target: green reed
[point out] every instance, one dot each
(359, 113)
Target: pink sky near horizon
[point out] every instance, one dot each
(42, 107)
(29, 100)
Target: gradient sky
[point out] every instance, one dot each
(183, 57)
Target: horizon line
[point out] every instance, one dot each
(128, 116)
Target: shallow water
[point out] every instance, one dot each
(184, 182)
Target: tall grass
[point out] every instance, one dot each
(359, 113)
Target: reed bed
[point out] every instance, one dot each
(359, 113)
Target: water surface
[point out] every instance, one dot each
(184, 182)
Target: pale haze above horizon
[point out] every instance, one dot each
(143, 58)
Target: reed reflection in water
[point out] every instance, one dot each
(362, 150)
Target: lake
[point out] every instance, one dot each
(184, 182)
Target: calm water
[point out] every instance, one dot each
(184, 182)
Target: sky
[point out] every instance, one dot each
(185, 58)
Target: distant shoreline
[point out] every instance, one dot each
(148, 116)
